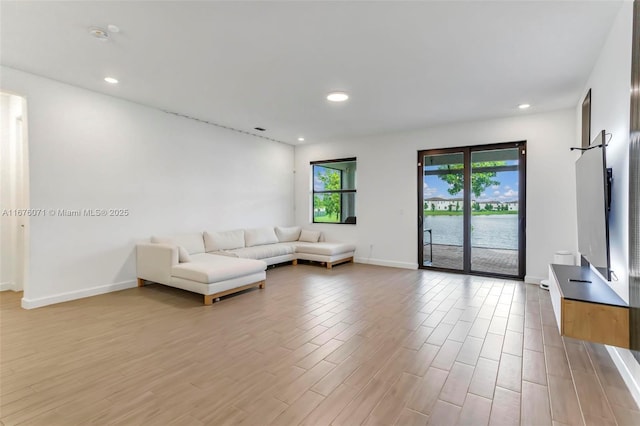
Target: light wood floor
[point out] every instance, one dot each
(353, 345)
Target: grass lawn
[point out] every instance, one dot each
(327, 218)
(473, 213)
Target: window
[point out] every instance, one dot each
(334, 191)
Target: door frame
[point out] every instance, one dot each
(522, 206)
(17, 231)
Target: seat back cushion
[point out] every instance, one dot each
(308, 236)
(192, 243)
(259, 237)
(226, 240)
(183, 255)
(287, 235)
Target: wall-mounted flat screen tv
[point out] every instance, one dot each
(593, 184)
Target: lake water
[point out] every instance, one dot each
(496, 231)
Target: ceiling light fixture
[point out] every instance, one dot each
(111, 80)
(99, 33)
(524, 106)
(300, 139)
(337, 96)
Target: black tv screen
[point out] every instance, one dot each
(593, 195)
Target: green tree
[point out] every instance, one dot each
(479, 180)
(476, 206)
(457, 206)
(488, 207)
(330, 202)
(433, 207)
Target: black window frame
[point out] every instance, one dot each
(314, 192)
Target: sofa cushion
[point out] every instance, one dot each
(259, 237)
(213, 268)
(288, 234)
(309, 236)
(183, 255)
(264, 251)
(227, 240)
(327, 249)
(225, 253)
(193, 242)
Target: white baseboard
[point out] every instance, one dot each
(7, 286)
(382, 262)
(533, 280)
(629, 369)
(79, 294)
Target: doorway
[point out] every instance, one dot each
(14, 199)
(472, 209)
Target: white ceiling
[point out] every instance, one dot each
(406, 65)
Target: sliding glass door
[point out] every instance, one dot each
(472, 209)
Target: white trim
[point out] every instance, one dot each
(78, 294)
(7, 286)
(628, 368)
(383, 262)
(533, 280)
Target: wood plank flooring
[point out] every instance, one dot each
(354, 345)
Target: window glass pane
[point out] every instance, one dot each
(326, 179)
(443, 226)
(494, 211)
(335, 175)
(334, 208)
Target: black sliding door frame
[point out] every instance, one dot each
(467, 170)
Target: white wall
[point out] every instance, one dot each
(610, 83)
(91, 151)
(387, 194)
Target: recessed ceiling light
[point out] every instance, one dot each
(300, 139)
(337, 97)
(524, 106)
(111, 80)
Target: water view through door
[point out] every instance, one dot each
(472, 213)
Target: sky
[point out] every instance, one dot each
(433, 186)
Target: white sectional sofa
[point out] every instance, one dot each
(215, 264)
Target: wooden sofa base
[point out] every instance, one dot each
(210, 298)
(337, 262)
(329, 264)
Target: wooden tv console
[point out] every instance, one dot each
(586, 307)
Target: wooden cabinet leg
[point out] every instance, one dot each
(208, 299)
(294, 262)
(262, 284)
(140, 282)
